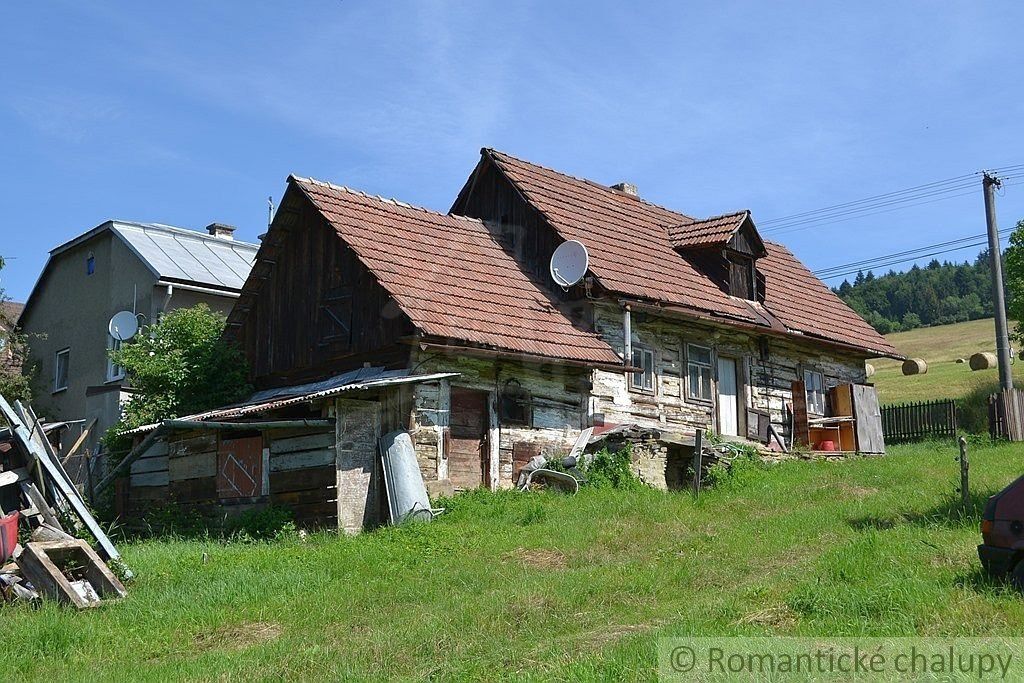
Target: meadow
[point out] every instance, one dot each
(940, 346)
(544, 586)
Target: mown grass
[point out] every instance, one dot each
(550, 587)
(941, 347)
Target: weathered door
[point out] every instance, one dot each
(241, 470)
(869, 419)
(467, 439)
(728, 401)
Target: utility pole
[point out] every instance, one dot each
(990, 183)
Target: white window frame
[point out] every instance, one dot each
(645, 381)
(709, 367)
(115, 372)
(66, 353)
(815, 395)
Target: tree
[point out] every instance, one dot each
(178, 366)
(1013, 259)
(14, 383)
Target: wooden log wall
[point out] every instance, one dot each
(767, 378)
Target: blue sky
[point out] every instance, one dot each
(193, 112)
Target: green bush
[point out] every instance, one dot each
(270, 523)
(611, 469)
(972, 409)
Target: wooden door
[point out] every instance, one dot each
(728, 398)
(467, 439)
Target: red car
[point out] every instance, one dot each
(1002, 530)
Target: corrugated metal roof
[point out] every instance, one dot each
(179, 254)
(270, 399)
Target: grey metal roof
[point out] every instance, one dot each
(178, 254)
(270, 399)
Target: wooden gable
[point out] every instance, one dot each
(310, 309)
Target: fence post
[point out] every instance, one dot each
(965, 494)
(698, 455)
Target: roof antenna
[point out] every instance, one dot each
(270, 211)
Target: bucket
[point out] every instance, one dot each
(826, 445)
(8, 535)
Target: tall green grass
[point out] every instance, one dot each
(546, 586)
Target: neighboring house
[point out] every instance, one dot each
(145, 268)
(366, 315)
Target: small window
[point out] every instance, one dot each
(60, 370)
(814, 383)
(515, 406)
(114, 371)
(90, 265)
(698, 372)
(642, 380)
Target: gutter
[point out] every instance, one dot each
(230, 294)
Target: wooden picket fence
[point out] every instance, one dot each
(1006, 414)
(903, 422)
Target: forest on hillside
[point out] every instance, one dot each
(937, 294)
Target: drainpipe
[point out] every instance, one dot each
(167, 300)
(627, 327)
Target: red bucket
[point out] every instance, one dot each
(8, 535)
(827, 446)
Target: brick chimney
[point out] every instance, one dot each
(627, 188)
(221, 231)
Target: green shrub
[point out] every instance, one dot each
(972, 409)
(611, 469)
(273, 522)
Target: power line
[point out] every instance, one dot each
(979, 243)
(909, 252)
(939, 190)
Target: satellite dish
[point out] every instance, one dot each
(569, 263)
(123, 326)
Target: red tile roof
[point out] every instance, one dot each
(631, 253)
(453, 280)
(709, 232)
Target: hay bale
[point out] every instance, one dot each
(914, 366)
(983, 361)
(869, 369)
(960, 361)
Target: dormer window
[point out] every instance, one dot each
(726, 248)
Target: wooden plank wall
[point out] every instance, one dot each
(302, 475)
(280, 334)
(183, 470)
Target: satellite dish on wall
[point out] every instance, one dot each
(123, 326)
(569, 263)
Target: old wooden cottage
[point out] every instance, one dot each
(464, 341)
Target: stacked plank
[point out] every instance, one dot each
(38, 499)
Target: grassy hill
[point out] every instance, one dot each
(545, 586)
(940, 346)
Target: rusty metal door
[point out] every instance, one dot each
(240, 468)
(467, 439)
